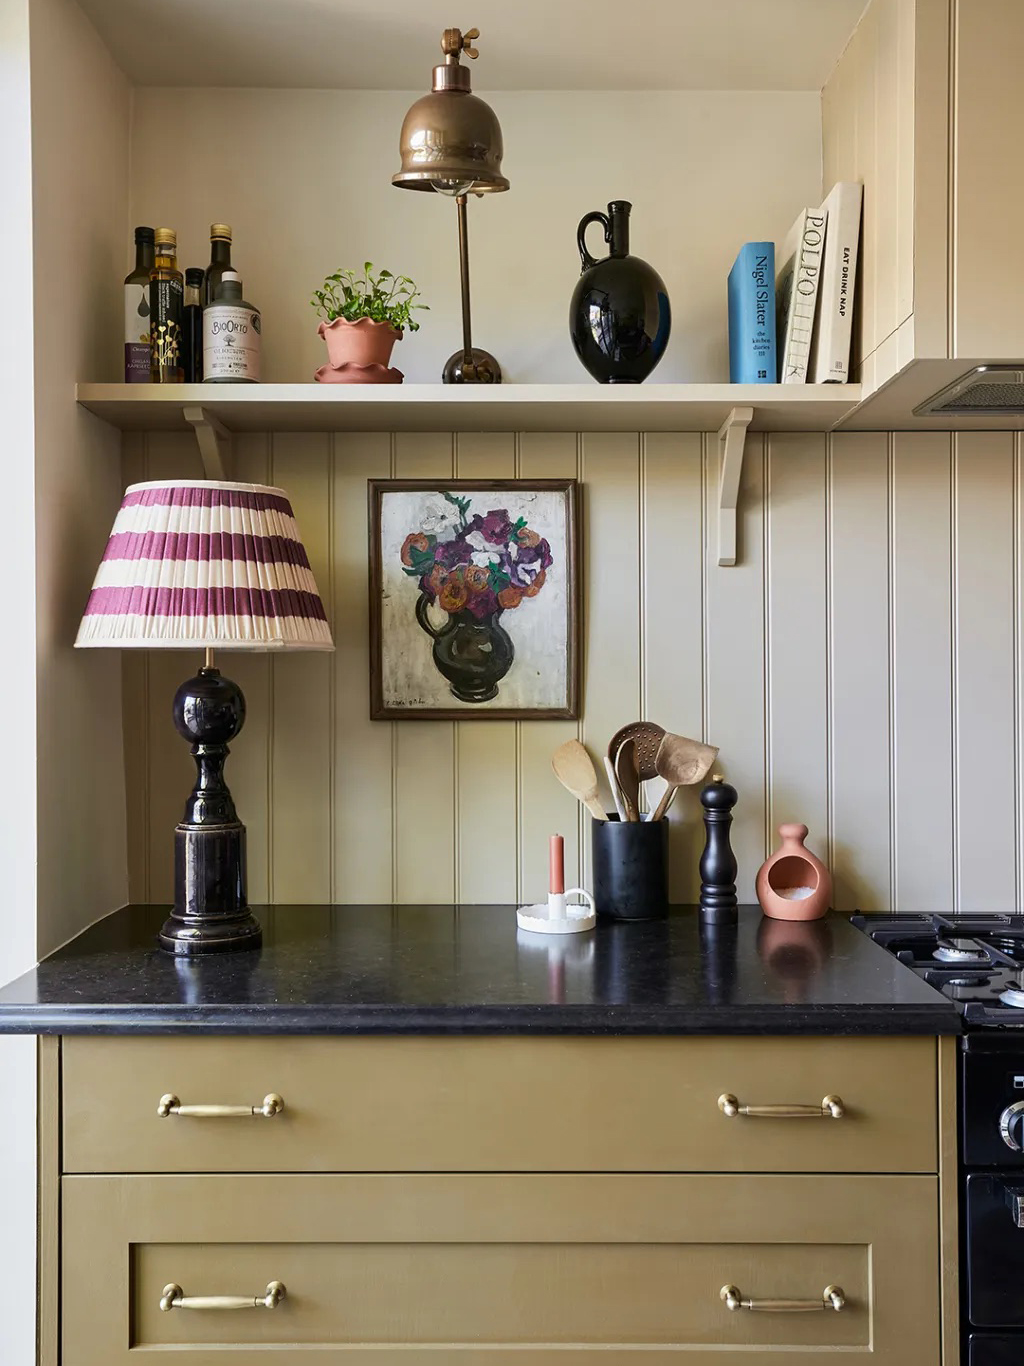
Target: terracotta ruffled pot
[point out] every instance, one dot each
(363, 342)
(794, 884)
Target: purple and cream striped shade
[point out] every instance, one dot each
(196, 563)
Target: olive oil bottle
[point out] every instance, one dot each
(232, 332)
(220, 260)
(166, 310)
(136, 310)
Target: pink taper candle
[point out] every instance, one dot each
(556, 881)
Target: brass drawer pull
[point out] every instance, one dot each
(830, 1108)
(170, 1105)
(832, 1297)
(175, 1298)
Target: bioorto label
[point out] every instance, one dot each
(231, 343)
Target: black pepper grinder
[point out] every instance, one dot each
(718, 862)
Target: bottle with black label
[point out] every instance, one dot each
(231, 336)
(220, 260)
(136, 310)
(192, 325)
(166, 309)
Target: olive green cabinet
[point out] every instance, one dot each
(500, 1268)
(485, 1202)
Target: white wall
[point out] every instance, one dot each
(304, 179)
(64, 114)
(80, 121)
(17, 693)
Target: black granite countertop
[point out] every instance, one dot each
(469, 970)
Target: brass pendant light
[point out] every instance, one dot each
(451, 143)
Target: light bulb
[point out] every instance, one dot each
(452, 188)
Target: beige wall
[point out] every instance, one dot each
(858, 669)
(80, 121)
(17, 693)
(304, 178)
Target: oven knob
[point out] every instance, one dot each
(1011, 1126)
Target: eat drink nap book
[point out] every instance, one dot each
(833, 333)
(796, 294)
(752, 315)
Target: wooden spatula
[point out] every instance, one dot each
(681, 762)
(575, 771)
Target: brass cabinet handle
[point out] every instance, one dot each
(832, 1297)
(830, 1108)
(174, 1297)
(270, 1106)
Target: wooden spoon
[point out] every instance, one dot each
(628, 778)
(575, 771)
(681, 762)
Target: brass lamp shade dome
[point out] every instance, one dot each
(451, 140)
(451, 136)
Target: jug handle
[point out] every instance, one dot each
(581, 236)
(422, 603)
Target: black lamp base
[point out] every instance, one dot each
(211, 914)
(480, 368)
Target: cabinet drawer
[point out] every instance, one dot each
(499, 1104)
(491, 1269)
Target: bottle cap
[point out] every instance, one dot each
(166, 235)
(221, 230)
(229, 287)
(143, 235)
(194, 276)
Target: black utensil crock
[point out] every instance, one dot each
(630, 868)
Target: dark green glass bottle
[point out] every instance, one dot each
(220, 260)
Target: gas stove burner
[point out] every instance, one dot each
(1013, 995)
(960, 951)
(1011, 944)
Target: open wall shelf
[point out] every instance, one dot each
(436, 407)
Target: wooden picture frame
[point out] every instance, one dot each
(445, 594)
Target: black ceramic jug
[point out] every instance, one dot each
(619, 317)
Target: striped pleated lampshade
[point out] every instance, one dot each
(200, 563)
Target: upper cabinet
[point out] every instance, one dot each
(925, 107)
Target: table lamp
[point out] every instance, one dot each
(203, 565)
(451, 143)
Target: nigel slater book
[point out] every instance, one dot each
(752, 315)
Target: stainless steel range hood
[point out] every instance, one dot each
(985, 389)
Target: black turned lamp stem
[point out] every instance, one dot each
(718, 862)
(467, 322)
(211, 914)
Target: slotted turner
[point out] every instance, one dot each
(647, 737)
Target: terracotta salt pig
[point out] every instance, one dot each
(794, 884)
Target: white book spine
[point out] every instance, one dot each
(833, 335)
(808, 240)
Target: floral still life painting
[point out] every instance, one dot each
(473, 599)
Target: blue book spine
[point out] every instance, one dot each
(752, 315)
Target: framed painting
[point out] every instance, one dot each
(474, 599)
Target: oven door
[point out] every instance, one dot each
(995, 1253)
(995, 1349)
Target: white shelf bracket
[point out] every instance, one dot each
(214, 441)
(732, 438)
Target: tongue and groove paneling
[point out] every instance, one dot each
(861, 669)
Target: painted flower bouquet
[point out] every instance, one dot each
(483, 565)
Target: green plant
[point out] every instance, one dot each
(384, 298)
